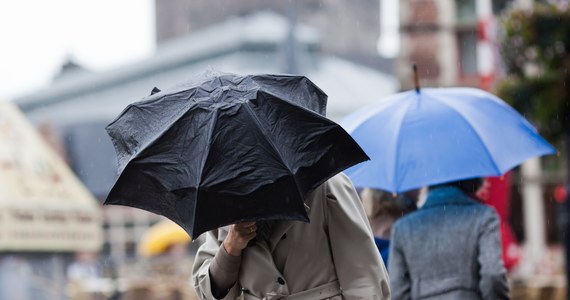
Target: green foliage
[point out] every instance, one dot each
(535, 47)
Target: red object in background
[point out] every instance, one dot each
(486, 81)
(483, 27)
(496, 193)
(511, 249)
(560, 193)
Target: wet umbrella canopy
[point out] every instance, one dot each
(436, 135)
(223, 148)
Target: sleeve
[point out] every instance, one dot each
(397, 267)
(359, 268)
(493, 282)
(211, 253)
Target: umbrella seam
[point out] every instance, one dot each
(256, 119)
(203, 162)
(154, 139)
(136, 155)
(398, 140)
(473, 129)
(305, 80)
(137, 104)
(250, 111)
(369, 111)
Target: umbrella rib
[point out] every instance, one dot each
(213, 122)
(260, 126)
(474, 130)
(367, 112)
(398, 140)
(158, 136)
(203, 162)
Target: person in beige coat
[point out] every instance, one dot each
(332, 257)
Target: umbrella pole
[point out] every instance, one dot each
(416, 79)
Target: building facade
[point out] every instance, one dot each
(442, 37)
(349, 29)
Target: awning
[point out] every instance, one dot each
(43, 206)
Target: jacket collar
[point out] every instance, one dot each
(281, 227)
(447, 195)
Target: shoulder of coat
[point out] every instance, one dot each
(337, 181)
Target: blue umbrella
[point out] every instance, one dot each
(436, 135)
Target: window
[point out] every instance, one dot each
(499, 6)
(465, 11)
(467, 41)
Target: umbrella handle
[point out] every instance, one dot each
(416, 79)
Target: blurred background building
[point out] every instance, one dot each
(348, 30)
(46, 214)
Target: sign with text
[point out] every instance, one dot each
(43, 206)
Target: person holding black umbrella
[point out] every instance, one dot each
(258, 152)
(332, 257)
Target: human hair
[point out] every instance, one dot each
(468, 186)
(378, 203)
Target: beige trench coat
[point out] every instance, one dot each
(332, 257)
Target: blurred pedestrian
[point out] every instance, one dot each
(85, 266)
(448, 249)
(383, 209)
(332, 257)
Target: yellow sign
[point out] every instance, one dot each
(43, 206)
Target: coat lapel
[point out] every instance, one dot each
(280, 228)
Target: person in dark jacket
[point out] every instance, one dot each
(448, 249)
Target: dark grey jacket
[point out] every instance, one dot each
(449, 249)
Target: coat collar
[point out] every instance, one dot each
(447, 195)
(281, 227)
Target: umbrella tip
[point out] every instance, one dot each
(416, 79)
(154, 91)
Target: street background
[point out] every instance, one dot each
(70, 67)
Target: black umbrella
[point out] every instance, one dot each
(223, 148)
